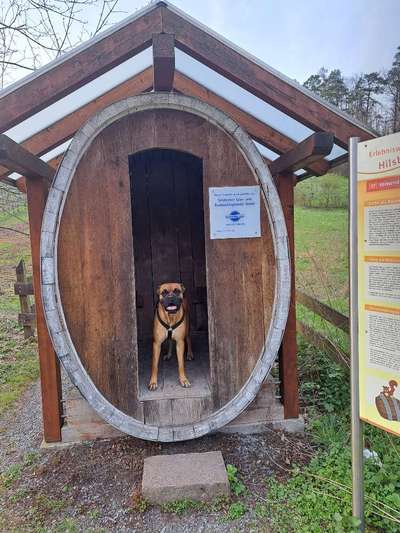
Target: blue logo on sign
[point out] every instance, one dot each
(234, 216)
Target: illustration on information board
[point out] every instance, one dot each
(388, 406)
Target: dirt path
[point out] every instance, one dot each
(95, 486)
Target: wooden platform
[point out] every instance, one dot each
(82, 423)
(197, 372)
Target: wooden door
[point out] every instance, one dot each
(168, 231)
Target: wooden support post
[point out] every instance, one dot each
(288, 353)
(24, 299)
(37, 190)
(163, 61)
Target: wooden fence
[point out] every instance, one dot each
(318, 339)
(24, 289)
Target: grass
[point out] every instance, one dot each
(317, 497)
(322, 265)
(322, 253)
(325, 192)
(18, 357)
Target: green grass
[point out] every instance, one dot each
(321, 244)
(18, 357)
(329, 191)
(322, 265)
(317, 497)
(19, 364)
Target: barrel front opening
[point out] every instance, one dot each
(168, 242)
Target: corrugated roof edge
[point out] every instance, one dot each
(195, 22)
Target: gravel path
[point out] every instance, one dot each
(20, 428)
(95, 487)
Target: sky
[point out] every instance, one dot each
(298, 37)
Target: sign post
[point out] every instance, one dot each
(356, 424)
(374, 293)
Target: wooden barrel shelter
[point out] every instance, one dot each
(127, 211)
(128, 208)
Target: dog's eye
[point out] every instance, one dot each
(164, 293)
(177, 292)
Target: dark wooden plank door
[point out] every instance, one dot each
(168, 231)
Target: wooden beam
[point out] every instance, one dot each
(78, 68)
(65, 128)
(288, 351)
(320, 341)
(49, 367)
(18, 159)
(331, 315)
(163, 61)
(305, 153)
(258, 130)
(253, 77)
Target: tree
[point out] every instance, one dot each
(393, 90)
(33, 32)
(334, 89)
(329, 85)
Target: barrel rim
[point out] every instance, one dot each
(53, 309)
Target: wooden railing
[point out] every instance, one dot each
(317, 338)
(24, 289)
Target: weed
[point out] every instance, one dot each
(220, 503)
(30, 458)
(236, 485)
(19, 494)
(66, 526)
(180, 506)
(139, 503)
(45, 504)
(235, 511)
(94, 514)
(11, 474)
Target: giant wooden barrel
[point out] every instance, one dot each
(129, 209)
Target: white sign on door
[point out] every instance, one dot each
(234, 212)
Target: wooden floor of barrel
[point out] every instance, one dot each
(197, 372)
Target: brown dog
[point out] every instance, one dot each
(171, 321)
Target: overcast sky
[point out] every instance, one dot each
(298, 37)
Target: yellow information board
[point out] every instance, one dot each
(378, 212)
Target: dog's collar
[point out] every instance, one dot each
(168, 327)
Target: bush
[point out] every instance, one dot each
(329, 191)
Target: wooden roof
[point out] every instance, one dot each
(32, 95)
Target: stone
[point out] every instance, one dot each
(191, 476)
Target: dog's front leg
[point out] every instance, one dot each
(154, 365)
(180, 352)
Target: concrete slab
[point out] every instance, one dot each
(192, 476)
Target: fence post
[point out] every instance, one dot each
(24, 299)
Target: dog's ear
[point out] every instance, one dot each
(183, 288)
(158, 290)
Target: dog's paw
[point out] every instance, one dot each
(153, 385)
(184, 382)
(189, 356)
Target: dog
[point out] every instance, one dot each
(171, 321)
